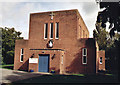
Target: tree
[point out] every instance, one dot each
(9, 35)
(110, 14)
(102, 37)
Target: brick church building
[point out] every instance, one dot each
(59, 41)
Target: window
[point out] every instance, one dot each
(84, 50)
(83, 34)
(84, 60)
(62, 60)
(56, 30)
(84, 55)
(51, 30)
(86, 35)
(45, 30)
(100, 60)
(79, 31)
(21, 56)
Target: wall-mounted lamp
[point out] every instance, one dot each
(53, 57)
(32, 55)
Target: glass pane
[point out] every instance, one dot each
(57, 30)
(62, 59)
(51, 36)
(21, 57)
(22, 51)
(84, 59)
(84, 51)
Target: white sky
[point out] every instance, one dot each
(16, 14)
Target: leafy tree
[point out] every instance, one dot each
(108, 44)
(100, 36)
(9, 35)
(1, 47)
(111, 14)
(103, 38)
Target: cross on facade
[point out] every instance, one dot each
(52, 14)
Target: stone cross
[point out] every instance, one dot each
(52, 14)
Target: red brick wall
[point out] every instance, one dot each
(75, 65)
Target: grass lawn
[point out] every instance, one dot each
(79, 74)
(75, 78)
(7, 66)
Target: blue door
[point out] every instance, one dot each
(43, 63)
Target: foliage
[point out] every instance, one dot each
(103, 38)
(110, 14)
(8, 66)
(100, 36)
(9, 35)
(1, 58)
(79, 74)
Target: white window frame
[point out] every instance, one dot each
(56, 31)
(21, 54)
(84, 56)
(100, 59)
(83, 51)
(50, 31)
(45, 30)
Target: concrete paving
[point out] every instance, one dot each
(9, 76)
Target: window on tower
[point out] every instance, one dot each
(45, 30)
(51, 30)
(56, 30)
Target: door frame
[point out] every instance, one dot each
(48, 60)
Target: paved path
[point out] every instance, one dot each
(9, 76)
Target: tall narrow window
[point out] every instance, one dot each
(62, 60)
(83, 34)
(100, 60)
(84, 55)
(45, 30)
(56, 30)
(51, 30)
(86, 35)
(79, 31)
(21, 56)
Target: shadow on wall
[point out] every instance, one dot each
(90, 42)
(76, 65)
(24, 66)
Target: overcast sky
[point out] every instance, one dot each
(16, 14)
